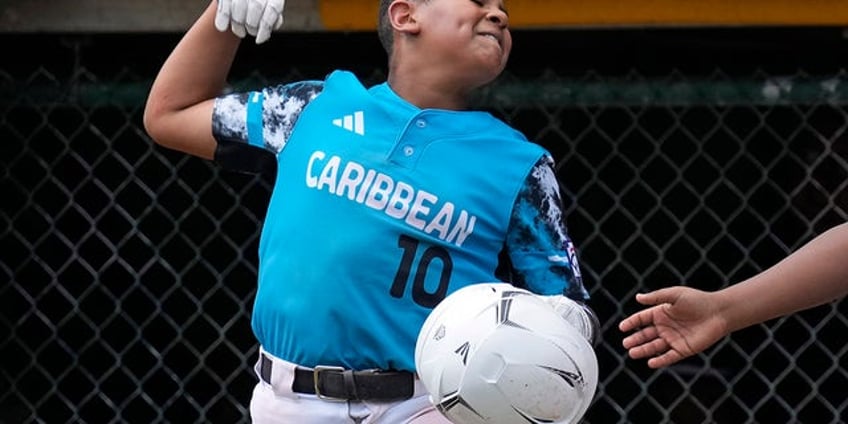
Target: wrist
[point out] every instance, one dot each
(578, 314)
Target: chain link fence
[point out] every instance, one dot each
(689, 157)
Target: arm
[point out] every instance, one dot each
(682, 321)
(815, 274)
(542, 255)
(178, 113)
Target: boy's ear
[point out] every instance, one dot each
(402, 16)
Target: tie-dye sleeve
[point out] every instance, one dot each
(541, 254)
(248, 126)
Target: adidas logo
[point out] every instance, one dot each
(354, 123)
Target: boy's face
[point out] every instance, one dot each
(472, 35)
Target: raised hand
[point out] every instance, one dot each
(258, 18)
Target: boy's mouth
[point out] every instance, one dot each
(491, 36)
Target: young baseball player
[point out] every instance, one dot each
(387, 199)
(683, 321)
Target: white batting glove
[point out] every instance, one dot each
(258, 18)
(578, 315)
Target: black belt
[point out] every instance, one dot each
(334, 383)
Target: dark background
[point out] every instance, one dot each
(128, 270)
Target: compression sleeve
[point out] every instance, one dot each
(542, 256)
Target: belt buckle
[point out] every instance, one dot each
(315, 373)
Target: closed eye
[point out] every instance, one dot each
(482, 3)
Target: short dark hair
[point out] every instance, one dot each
(384, 27)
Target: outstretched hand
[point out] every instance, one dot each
(258, 18)
(679, 323)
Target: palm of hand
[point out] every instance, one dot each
(682, 326)
(680, 329)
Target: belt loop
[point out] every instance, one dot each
(265, 367)
(350, 384)
(277, 373)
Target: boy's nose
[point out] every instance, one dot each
(499, 18)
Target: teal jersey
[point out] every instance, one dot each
(381, 209)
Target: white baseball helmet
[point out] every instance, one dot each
(491, 353)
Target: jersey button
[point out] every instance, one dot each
(408, 150)
(421, 123)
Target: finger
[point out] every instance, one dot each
(222, 15)
(272, 19)
(238, 17)
(278, 7)
(238, 29)
(655, 348)
(642, 318)
(263, 34)
(641, 337)
(665, 295)
(266, 26)
(664, 360)
(253, 20)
